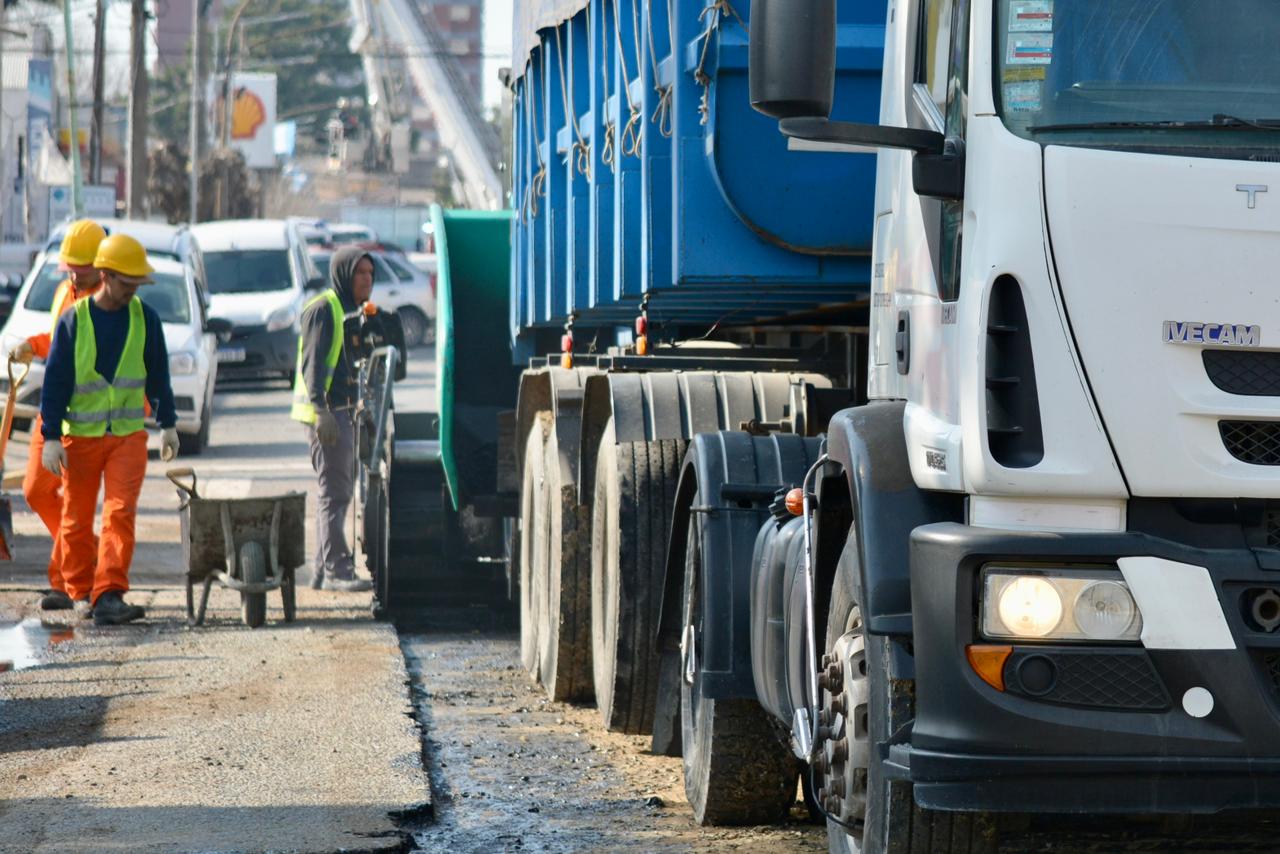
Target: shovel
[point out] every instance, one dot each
(6, 425)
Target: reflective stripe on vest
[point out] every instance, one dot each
(98, 405)
(303, 410)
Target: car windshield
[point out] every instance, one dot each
(1192, 72)
(168, 297)
(40, 297)
(242, 271)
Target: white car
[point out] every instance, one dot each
(188, 335)
(342, 233)
(400, 288)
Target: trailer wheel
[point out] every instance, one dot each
(882, 814)
(738, 768)
(534, 533)
(565, 648)
(634, 491)
(253, 570)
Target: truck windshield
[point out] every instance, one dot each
(1146, 72)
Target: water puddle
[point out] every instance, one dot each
(27, 644)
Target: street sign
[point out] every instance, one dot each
(253, 116)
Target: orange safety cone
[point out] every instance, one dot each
(6, 426)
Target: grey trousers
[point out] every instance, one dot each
(335, 466)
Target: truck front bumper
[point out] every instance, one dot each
(1112, 733)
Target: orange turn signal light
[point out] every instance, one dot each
(987, 660)
(795, 501)
(566, 360)
(642, 345)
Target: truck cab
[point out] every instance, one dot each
(1070, 330)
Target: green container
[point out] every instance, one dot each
(475, 378)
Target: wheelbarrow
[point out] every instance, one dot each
(6, 426)
(252, 545)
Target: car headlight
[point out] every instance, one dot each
(182, 363)
(281, 318)
(1050, 604)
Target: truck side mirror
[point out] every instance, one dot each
(792, 57)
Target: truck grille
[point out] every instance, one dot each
(1253, 442)
(1235, 372)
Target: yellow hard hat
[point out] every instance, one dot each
(121, 254)
(81, 243)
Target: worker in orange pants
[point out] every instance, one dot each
(42, 490)
(108, 358)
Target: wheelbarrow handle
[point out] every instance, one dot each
(176, 475)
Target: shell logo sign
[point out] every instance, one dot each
(253, 116)
(247, 114)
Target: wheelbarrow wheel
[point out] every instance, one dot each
(289, 596)
(253, 570)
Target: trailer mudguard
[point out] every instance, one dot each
(869, 443)
(728, 480)
(678, 405)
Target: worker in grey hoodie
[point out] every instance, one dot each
(325, 392)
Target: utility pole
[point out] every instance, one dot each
(228, 71)
(138, 96)
(77, 191)
(99, 56)
(198, 8)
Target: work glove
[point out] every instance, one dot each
(22, 353)
(168, 443)
(53, 457)
(326, 427)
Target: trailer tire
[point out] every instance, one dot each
(635, 485)
(889, 820)
(738, 768)
(565, 648)
(534, 531)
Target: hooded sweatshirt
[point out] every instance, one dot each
(318, 332)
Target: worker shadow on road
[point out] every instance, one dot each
(50, 723)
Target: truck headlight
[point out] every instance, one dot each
(281, 318)
(182, 363)
(1058, 604)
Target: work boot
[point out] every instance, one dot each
(55, 600)
(84, 608)
(350, 584)
(112, 610)
(317, 578)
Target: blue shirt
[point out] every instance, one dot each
(111, 328)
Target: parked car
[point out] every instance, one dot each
(259, 271)
(159, 239)
(189, 335)
(315, 232)
(399, 288)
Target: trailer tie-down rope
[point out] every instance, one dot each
(714, 13)
(662, 112)
(539, 179)
(580, 146)
(632, 131)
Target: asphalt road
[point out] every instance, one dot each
(158, 737)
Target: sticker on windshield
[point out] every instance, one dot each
(1031, 49)
(1023, 97)
(1024, 74)
(1030, 16)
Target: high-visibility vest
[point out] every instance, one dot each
(59, 303)
(303, 410)
(97, 404)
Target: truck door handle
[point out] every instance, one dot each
(902, 342)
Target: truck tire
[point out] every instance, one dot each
(565, 648)
(738, 768)
(883, 814)
(534, 531)
(635, 487)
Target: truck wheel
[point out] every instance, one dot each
(253, 570)
(565, 651)
(881, 815)
(635, 487)
(534, 533)
(738, 768)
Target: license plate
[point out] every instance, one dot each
(231, 354)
